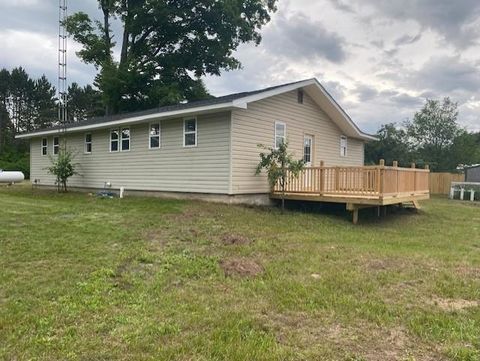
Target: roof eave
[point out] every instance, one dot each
(135, 120)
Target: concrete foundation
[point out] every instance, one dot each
(261, 199)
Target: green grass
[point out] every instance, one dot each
(141, 279)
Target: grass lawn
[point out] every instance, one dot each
(148, 279)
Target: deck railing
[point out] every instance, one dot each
(368, 181)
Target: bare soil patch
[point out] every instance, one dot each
(241, 267)
(234, 239)
(358, 341)
(450, 305)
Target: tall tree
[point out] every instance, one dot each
(433, 131)
(392, 145)
(44, 103)
(166, 46)
(83, 102)
(6, 126)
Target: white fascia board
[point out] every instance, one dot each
(339, 109)
(133, 120)
(242, 102)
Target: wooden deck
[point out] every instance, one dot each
(357, 187)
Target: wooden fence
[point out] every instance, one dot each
(440, 182)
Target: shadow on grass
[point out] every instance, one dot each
(367, 216)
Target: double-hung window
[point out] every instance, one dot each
(56, 145)
(154, 136)
(190, 132)
(114, 136)
(125, 139)
(88, 143)
(44, 146)
(120, 139)
(343, 146)
(280, 134)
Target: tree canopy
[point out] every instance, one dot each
(166, 46)
(432, 137)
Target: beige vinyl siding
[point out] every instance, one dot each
(256, 125)
(201, 169)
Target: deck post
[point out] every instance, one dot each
(381, 178)
(472, 195)
(322, 177)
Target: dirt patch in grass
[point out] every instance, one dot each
(355, 342)
(234, 239)
(451, 305)
(242, 267)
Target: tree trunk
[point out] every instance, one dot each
(106, 28)
(126, 34)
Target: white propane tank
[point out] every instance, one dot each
(11, 177)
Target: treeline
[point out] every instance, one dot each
(432, 137)
(28, 104)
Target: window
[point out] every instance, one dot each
(154, 136)
(280, 133)
(56, 145)
(307, 149)
(125, 139)
(88, 143)
(44, 146)
(300, 97)
(190, 132)
(114, 140)
(343, 146)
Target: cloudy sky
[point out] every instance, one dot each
(379, 58)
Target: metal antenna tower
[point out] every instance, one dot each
(62, 63)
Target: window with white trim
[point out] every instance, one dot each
(88, 143)
(56, 145)
(307, 149)
(125, 139)
(343, 146)
(190, 132)
(280, 134)
(44, 146)
(114, 136)
(154, 142)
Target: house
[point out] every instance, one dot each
(472, 173)
(203, 149)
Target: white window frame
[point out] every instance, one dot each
(122, 139)
(159, 135)
(284, 136)
(190, 132)
(42, 147)
(343, 145)
(305, 137)
(55, 146)
(116, 140)
(85, 143)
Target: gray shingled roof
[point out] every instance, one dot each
(159, 110)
